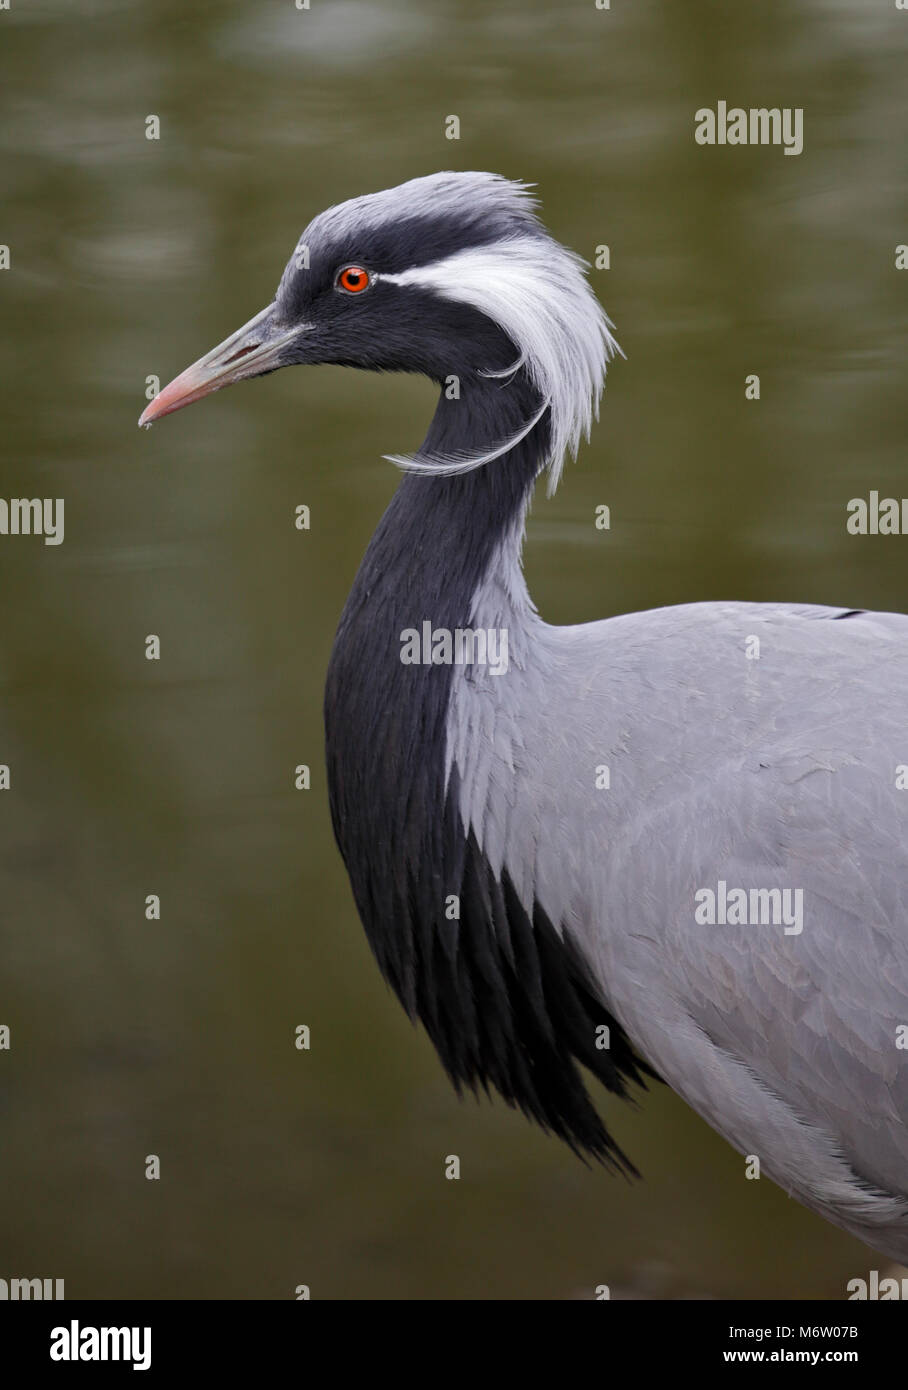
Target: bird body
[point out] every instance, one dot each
(667, 843)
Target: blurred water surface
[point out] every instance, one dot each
(130, 257)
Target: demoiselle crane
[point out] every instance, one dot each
(629, 846)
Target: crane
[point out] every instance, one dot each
(669, 844)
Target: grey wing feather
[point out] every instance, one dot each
(772, 770)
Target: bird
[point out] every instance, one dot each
(668, 846)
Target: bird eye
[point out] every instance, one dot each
(354, 279)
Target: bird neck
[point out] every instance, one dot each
(445, 557)
(452, 935)
(448, 547)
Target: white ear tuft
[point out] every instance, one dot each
(538, 293)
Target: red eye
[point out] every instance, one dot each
(354, 279)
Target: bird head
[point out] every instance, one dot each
(450, 275)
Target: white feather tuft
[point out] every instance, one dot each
(445, 466)
(538, 293)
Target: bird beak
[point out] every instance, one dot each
(253, 350)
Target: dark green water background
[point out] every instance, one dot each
(131, 257)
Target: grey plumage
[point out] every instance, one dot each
(775, 772)
(580, 804)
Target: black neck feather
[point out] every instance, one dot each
(506, 999)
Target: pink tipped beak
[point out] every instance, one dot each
(253, 349)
